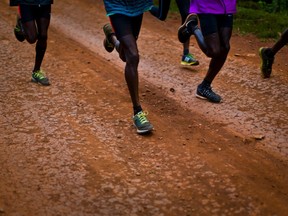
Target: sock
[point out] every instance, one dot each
(185, 51)
(205, 83)
(137, 109)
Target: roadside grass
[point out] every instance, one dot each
(255, 21)
(260, 23)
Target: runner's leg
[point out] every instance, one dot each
(128, 47)
(183, 7)
(280, 43)
(41, 45)
(28, 23)
(218, 45)
(161, 11)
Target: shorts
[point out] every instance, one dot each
(124, 25)
(34, 12)
(211, 23)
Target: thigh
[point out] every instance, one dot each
(208, 24)
(124, 25)
(34, 12)
(27, 13)
(225, 23)
(43, 16)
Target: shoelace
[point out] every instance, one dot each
(39, 74)
(208, 91)
(142, 117)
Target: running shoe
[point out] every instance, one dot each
(189, 60)
(266, 63)
(141, 123)
(108, 31)
(187, 28)
(39, 77)
(18, 30)
(206, 93)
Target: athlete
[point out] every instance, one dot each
(161, 13)
(126, 20)
(267, 54)
(32, 25)
(216, 21)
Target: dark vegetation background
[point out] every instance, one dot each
(265, 18)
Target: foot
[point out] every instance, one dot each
(206, 93)
(108, 31)
(266, 63)
(189, 60)
(141, 123)
(18, 30)
(39, 77)
(187, 28)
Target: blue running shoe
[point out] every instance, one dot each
(141, 123)
(189, 60)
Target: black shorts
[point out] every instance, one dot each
(125, 25)
(33, 12)
(211, 23)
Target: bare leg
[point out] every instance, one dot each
(218, 47)
(30, 30)
(162, 10)
(130, 50)
(41, 44)
(280, 43)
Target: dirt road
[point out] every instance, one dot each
(71, 149)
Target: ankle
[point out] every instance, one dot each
(137, 109)
(205, 83)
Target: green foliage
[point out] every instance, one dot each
(249, 4)
(271, 6)
(263, 18)
(260, 23)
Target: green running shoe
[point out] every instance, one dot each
(39, 77)
(188, 60)
(266, 63)
(141, 123)
(108, 31)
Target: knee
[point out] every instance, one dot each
(219, 52)
(42, 37)
(213, 53)
(31, 39)
(226, 49)
(133, 58)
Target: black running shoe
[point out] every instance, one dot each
(18, 30)
(206, 93)
(266, 63)
(187, 28)
(39, 77)
(108, 31)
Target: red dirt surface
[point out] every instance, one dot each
(71, 149)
